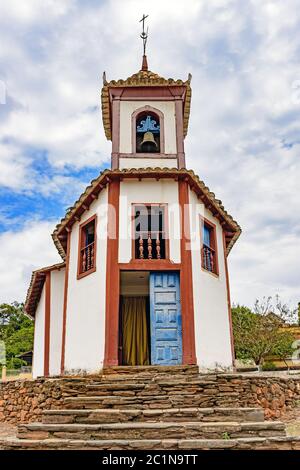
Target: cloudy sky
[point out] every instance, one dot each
(243, 139)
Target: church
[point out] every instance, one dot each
(143, 278)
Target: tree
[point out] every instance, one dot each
(244, 324)
(16, 331)
(268, 306)
(260, 333)
(12, 318)
(284, 346)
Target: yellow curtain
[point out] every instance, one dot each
(134, 326)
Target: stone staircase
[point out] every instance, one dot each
(149, 408)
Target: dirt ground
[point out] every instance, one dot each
(7, 430)
(292, 420)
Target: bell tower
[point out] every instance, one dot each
(146, 118)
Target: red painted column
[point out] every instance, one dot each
(115, 133)
(179, 132)
(112, 277)
(47, 323)
(186, 278)
(63, 343)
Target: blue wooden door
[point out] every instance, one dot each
(165, 318)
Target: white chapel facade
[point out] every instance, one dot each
(143, 278)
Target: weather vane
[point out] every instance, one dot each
(144, 34)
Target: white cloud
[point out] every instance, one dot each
(21, 253)
(244, 130)
(13, 167)
(32, 11)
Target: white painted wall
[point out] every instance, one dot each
(148, 163)
(39, 338)
(56, 320)
(168, 110)
(148, 191)
(212, 328)
(85, 323)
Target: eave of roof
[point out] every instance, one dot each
(144, 78)
(24, 353)
(233, 230)
(36, 286)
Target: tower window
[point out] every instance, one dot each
(87, 247)
(147, 133)
(209, 248)
(150, 236)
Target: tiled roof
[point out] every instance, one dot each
(143, 78)
(36, 286)
(82, 204)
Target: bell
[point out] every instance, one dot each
(148, 143)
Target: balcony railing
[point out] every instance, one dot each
(150, 245)
(87, 257)
(208, 259)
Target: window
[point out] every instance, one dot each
(147, 133)
(209, 248)
(87, 247)
(150, 232)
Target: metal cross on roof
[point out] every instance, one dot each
(144, 34)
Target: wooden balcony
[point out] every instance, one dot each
(87, 256)
(150, 245)
(208, 259)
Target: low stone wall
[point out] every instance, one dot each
(274, 393)
(22, 401)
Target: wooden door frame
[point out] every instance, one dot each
(113, 268)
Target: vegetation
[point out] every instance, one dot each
(268, 365)
(260, 332)
(16, 332)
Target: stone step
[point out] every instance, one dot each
(129, 400)
(157, 382)
(187, 370)
(140, 389)
(138, 378)
(161, 381)
(124, 383)
(150, 430)
(248, 443)
(139, 415)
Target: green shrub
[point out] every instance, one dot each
(269, 365)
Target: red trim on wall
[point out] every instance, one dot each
(112, 277)
(179, 132)
(47, 323)
(186, 278)
(150, 265)
(63, 344)
(151, 156)
(115, 132)
(158, 93)
(228, 301)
